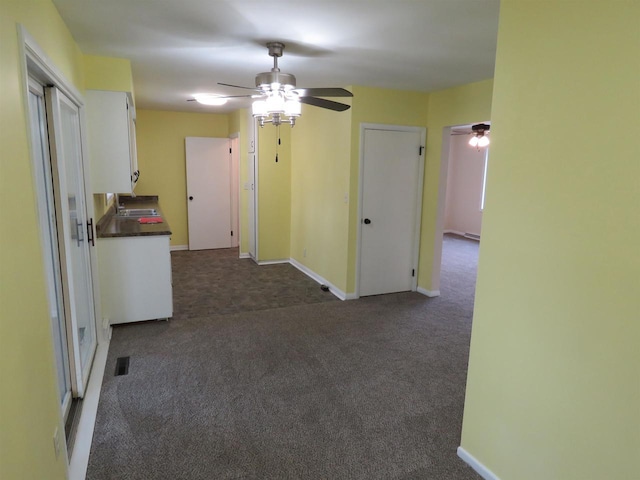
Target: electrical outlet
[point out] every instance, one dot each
(56, 442)
(304, 252)
(246, 185)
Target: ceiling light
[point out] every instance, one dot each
(480, 138)
(209, 99)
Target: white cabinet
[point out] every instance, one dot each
(112, 141)
(135, 278)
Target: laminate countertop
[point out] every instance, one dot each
(113, 226)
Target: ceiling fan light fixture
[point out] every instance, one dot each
(480, 138)
(275, 103)
(292, 108)
(259, 108)
(209, 99)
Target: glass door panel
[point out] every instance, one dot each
(47, 218)
(66, 148)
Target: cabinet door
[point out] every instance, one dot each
(133, 151)
(135, 278)
(111, 141)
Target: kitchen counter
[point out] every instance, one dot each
(112, 226)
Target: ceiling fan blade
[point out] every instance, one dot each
(322, 103)
(237, 86)
(324, 92)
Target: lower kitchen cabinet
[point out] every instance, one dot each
(135, 278)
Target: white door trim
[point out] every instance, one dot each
(235, 170)
(418, 220)
(254, 164)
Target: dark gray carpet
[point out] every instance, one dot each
(366, 389)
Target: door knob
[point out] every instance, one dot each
(367, 221)
(190, 198)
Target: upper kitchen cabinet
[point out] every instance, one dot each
(111, 123)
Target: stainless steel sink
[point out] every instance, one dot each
(137, 212)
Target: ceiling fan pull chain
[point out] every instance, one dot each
(278, 142)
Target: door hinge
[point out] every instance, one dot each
(232, 233)
(229, 150)
(413, 272)
(420, 150)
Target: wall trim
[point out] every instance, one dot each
(428, 293)
(176, 248)
(473, 462)
(322, 281)
(82, 445)
(455, 232)
(272, 262)
(244, 255)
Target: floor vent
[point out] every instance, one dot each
(122, 366)
(472, 236)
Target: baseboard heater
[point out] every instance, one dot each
(472, 236)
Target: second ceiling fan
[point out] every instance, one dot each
(278, 99)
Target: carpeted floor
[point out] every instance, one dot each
(261, 375)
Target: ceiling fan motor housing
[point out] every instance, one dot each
(265, 79)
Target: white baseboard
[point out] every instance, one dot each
(175, 248)
(473, 462)
(322, 281)
(455, 232)
(84, 435)
(428, 293)
(272, 262)
(244, 255)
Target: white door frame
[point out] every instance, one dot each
(418, 220)
(235, 171)
(253, 160)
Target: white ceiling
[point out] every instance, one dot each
(181, 47)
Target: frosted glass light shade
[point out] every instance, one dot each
(259, 108)
(275, 104)
(474, 141)
(292, 108)
(483, 141)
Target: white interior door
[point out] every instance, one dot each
(66, 156)
(208, 192)
(390, 193)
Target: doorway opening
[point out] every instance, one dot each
(462, 188)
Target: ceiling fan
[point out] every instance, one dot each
(277, 98)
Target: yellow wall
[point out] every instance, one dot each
(29, 407)
(106, 73)
(161, 159)
(376, 105)
(454, 106)
(320, 150)
(553, 386)
(274, 193)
